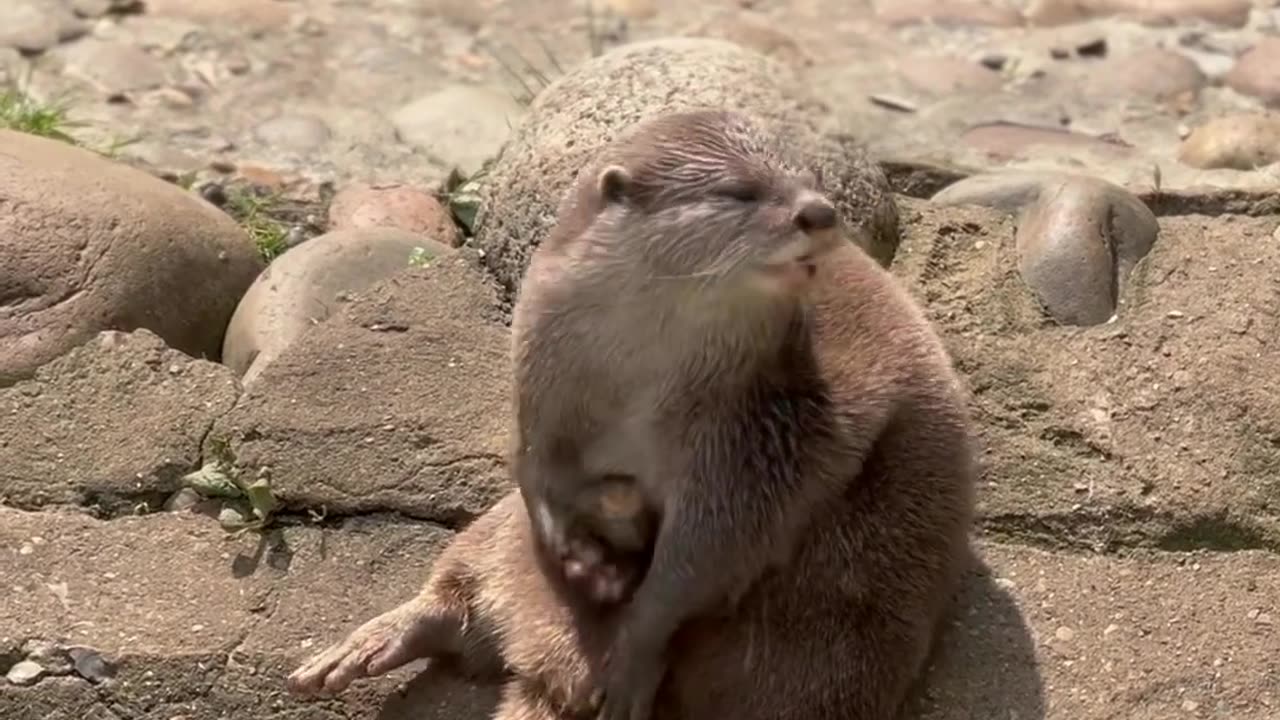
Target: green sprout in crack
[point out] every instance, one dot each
(420, 257)
(249, 505)
(462, 197)
(252, 210)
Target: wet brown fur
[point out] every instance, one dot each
(813, 529)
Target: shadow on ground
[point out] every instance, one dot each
(985, 666)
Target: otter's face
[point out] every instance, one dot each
(703, 196)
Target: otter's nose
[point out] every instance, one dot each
(815, 216)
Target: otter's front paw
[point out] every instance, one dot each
(631, 682)
(380, 645)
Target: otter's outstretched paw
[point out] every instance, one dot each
(632, 676)
(380, 645)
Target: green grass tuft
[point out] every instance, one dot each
(20, 112)
(253, 210)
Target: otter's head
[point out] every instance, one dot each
(704, 197)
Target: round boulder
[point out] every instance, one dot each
(91, 245)
(1243, 141)
(573, 117)
(1078, 237)
(392, 205)
(308, 284)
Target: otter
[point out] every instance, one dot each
(671, 277)
(811, 466)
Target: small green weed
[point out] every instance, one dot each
(252, 210)
(420, 257)
(21, 112)
(248, 505)
(462, 197)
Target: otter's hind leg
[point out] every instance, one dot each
(430, 625)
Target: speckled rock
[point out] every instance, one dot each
(1239, 142)
(1255, 71)
(1234, 13)
(462, 126)
(90, 245)
(308, 284)
(1078, 237)
(583, 109)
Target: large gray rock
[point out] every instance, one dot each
(1079, 238)
(399, 402)
(112, 424)
(89, 245)
(308, 284)
(570, 120)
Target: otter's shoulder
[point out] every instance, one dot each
(868, 322)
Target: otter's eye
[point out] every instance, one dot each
(739, 192)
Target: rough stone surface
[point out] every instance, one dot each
(1009, 140)
(399, 402)
(203, 626)
(461, 126)
(392, 205)
(251, 15)
(112, 424)
(1238, 142)
(579, 112)
(357, 65)
(1155, 12)
(943, 75)
(1255, 72)
(1035, 634)
(1155, 430)
(1157, 73)
(35, 26)
(1078, 238)
(307, 285)
(296, 132)
(957, 12)
(115, 68)
(93, 245)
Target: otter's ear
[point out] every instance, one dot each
(613, 183)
